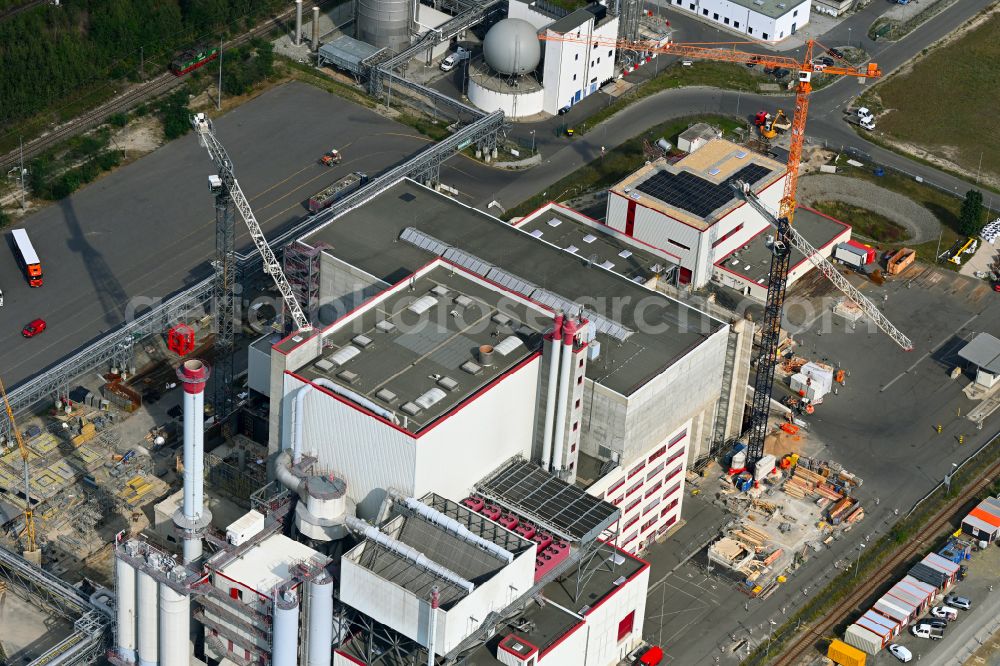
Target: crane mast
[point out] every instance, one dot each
(786, 237)
(29, 516)
(206, 134)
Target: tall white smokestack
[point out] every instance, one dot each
(125, 629)
(320, 620)
(555, 344)
(432, 625)
(315, 39)
(298, 22)
(192, 518)
(565, 373)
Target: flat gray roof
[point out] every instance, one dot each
(393, 356)
(771, 8)
(595, 245)
(754, 263)
(664, 330)
(983, 352)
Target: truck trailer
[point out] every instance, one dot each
(330, 195)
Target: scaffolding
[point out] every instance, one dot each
(301, 266)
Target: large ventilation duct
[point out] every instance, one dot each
(555, 344)
(192, 518)
(148, 601)
(450, 524)
(323, 504)
(285, 640)
(407, 552)
(565, 373)
(320, 620)
(125, 628)
(175, 627)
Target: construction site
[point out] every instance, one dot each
(406, 431)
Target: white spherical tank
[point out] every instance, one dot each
(511, 47)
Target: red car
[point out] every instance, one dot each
(33, 328)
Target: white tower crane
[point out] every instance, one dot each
(829, 270)
(226, 179)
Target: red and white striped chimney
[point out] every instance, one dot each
(192, 518)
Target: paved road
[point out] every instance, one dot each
(147, 230)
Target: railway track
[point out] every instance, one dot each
(14, 11)
(824, 626)
(135, 95)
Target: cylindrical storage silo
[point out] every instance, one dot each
(125, 606)
(285, 639)
(320, 620)
(175, 627)
(384, 23)
(148, 602)
(326, 497)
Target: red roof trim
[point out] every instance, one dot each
(349, 658)
(562, 638)
(522, 657)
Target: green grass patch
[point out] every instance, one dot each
(941, 103)
(865, 222)
(714, 74)
(309, 74)
(616, 163)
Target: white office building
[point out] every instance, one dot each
(762, 20)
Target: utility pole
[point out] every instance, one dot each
(142, 63)
(20, 142)
(220, 73)
(937, 253)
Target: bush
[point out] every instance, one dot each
(108, 160)
(970, 219)
(118, 120)
(175, 115)
(246, 66)
(4, 219)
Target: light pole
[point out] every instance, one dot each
(857, 562)
(848, 35)
(947, 479)
(532, 142)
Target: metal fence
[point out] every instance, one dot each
(943, 483)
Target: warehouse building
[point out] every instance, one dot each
(762, 20)
(450, 327)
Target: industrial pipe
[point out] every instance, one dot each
(407, 552)
(320, 620)
(298, 22)
(125, 629)
(148, 601)
(450, 524)
(175, 627)
(285, 640)
(565, 373)
(550, 397)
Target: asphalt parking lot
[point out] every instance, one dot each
(148, 229)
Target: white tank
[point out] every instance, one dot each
(320, 514)
(148, 605)
(125, 605)
(511, 47)
(384, 23)
(320, 620)
(175, 627)
(285, 639)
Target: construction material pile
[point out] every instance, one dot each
(830, 485)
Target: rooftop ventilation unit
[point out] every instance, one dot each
(554, 222)
(607, 264)
(589, 238)
(500, 318)
(362, 341)
(430, 398)
(439, 290)
(572, 248)
(625, 254)
(447, 383)
(324, 365)
(422, 304)
(342, 356)
(714, 171)
(508, 344)
(463, 301)
(472, 368)
(537, 233)
(386, 396)
(410, 409)
(385, 326)
(348, 377)
(740, 155)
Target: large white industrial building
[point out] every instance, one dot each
(469, 454)
(763, 20)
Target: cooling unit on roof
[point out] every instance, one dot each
(508, 344)
(422, 304)
(342, 356)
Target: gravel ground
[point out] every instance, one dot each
(919, 221)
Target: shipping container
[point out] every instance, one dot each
(849, 255)
(868, 250)
(898, 262)
(330, 195)
(845, 655)
(863, 639)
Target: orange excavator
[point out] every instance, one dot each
(765, 357)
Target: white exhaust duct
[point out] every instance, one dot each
(148, 601)
(565, 374)
(320, 620)
(298, 22)
(175, 627)
(285, 640)
(407, 552)
(555, 344)
(125, 607)
(450, 524)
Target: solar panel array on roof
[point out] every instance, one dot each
(560, 507)
(693, 193)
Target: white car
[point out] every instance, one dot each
(449, 63)
(900, 652)
(864, 112)
(945, 613)
(868, 123)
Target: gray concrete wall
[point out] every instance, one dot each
(343, 287)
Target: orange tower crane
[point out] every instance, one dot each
(31, 546)
(766, 355)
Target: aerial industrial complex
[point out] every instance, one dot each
(394, 420)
